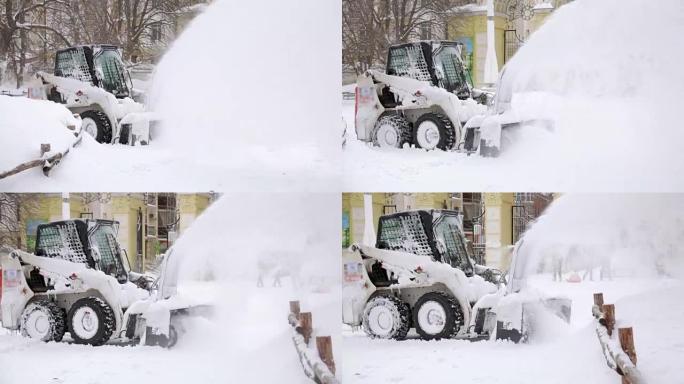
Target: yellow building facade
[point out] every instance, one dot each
(514, 21)
(148, 222)
(495, 226)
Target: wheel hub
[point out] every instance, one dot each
(85, 322)
(435, 318)
(38, 325)
(432, 317)
(387, 136)
(428, 135)
(89, 126)
(380, 321)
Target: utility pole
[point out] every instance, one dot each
(491, 69)
(369, 230)
(66, 206)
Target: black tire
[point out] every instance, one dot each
(104, 126)
(399, 311)
(447, 132)
(56, 320)
(452, 310)
(398, 123)
(105, 322)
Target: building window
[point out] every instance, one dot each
(156, 31)
(167, 216)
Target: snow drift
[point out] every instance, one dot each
(637, 234)
(251, 82)
(25, 124)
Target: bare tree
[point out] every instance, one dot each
(15, 208)
(20, 22)
(370, 26)
(32, 30)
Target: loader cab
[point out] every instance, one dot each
(99, 65)
(437, 62)
(90, 242)
(437, 234)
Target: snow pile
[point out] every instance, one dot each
(25, 124)
(639, 234)
(232, 90)
(658, 331)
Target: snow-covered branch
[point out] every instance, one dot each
(45, 27)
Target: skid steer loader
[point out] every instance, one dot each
(78, 281)
(420, 275)
(92, 81)
(423, 98)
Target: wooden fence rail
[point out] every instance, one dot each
(46, 162)
(620, 358)
(318, 363)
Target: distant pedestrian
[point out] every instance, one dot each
(276, 280)
(606, 270)
(557, 262)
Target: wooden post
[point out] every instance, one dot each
(598, 299)
(44, 148)
(609, 315)
(324, 345)
(305, 325)
(626, 337)
(294, 308)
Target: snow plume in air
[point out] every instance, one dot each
(252, 81)
(634, 234)
(611, 91)
(250, 254)
(597, 52)
(242, 234)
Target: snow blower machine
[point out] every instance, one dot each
(420, 275)
(79, 281)
(425, 98)
(93, 82)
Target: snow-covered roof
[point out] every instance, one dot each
(543, 6)
(469, 8)
(195, 8)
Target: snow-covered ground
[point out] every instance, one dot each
(199, 355)
(236, 116)
(571, 355)
(611, 90)
(288, 241)
(117, 168)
